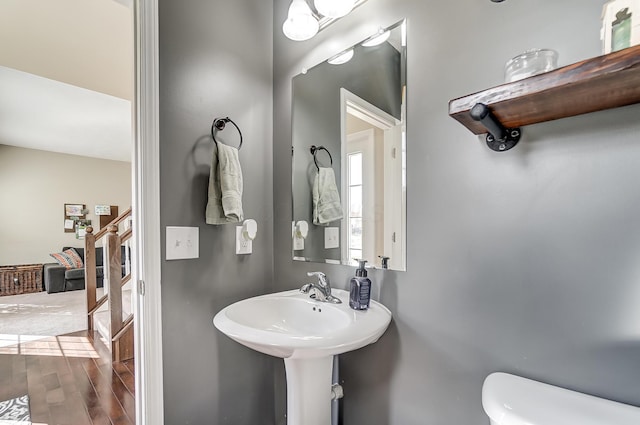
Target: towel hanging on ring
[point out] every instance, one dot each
(225, 182)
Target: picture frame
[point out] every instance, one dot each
(103, 209)
(73, 210)
(72, 214)
(81, 228)
(620, 25)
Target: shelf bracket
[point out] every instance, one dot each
(499, 138)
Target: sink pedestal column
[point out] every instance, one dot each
(309, 390)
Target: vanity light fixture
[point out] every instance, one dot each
(377, 39)
(300, 24)
(334, 8)
(341, 58)
(303, 21)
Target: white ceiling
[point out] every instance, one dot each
(39, 113)
(66, 76)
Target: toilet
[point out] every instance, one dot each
(513, 400)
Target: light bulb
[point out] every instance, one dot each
(334, 8)
(300, 24)
(377, 39)
(341, 58)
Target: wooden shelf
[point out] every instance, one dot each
(596, 84)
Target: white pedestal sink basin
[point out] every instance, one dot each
(306, 334)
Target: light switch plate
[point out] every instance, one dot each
(331, 237)
(182, 243)
(243, 246)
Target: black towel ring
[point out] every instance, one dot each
(314, 150)
(219, 124)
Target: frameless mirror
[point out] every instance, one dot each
(349, 155)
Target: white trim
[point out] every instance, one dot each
(371, 114)
(146, 216)
(366, 111)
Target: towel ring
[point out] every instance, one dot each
(219, 124)
(314, 150)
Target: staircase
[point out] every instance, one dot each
(109, 309)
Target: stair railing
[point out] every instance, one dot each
(112, 276)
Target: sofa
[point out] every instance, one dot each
(57, 278)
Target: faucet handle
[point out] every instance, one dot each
(323, 280)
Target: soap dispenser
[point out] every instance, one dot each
(360, 288)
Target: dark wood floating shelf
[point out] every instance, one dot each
(596, 84)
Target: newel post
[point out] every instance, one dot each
(90, 274)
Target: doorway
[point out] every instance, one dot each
(373, 184)
(141, 268)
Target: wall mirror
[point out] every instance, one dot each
(349, 155)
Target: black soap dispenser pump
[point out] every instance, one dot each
(360, 288)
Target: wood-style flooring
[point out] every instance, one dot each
(70, 380)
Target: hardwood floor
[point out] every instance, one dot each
(70, 380)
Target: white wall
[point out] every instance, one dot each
(86, 44)
(35, 185)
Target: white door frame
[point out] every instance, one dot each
(352, 104)
(146, 218)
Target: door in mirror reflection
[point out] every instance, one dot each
(373, 144)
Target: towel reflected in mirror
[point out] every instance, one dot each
(326, 198)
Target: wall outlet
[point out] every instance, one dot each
(331, 237)
(182, 243)
(298, 243)
(243, 246)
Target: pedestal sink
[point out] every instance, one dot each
(306, 334)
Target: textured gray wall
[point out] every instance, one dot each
(526, 261)
(215, 60)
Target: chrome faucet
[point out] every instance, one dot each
(321, 290)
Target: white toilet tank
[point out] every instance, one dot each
(512, 400)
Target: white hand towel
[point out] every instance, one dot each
(225, 187)
(326, 198)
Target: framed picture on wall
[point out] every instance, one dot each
(103, 209)
(73, 210)
(81, 228)
(72, 214)
(81, 231)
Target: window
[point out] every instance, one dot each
(355, 207)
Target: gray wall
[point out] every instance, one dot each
(524, 261)
(215, 61)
